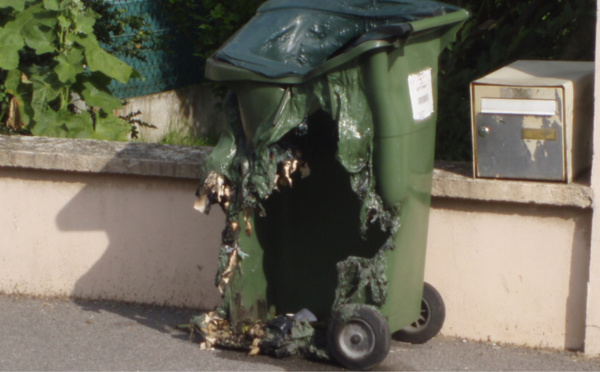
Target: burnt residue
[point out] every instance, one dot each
(313, 225)
(359, 274)
(326, 129)
(294, 171)
(302, 177)
(303, 339)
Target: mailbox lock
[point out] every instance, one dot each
(483, 131)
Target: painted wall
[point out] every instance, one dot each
(186, 110)
(508, 272)
(106, 237)
(511, 273)
(592, 346)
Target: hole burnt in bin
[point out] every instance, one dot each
(312, 226)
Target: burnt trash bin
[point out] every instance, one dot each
(324, 173)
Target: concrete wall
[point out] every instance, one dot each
(189, 109)
(106, 237)
(511, 273)
(510, 258)
(593, 310)
(97, 220)
(105, 220)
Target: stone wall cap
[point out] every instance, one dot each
(455, 180)
(451, 180)
(93, 156)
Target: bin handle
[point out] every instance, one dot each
(398, 31)
(392, 31)
(448, 19)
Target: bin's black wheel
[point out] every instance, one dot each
(358, 337)
(429, 324)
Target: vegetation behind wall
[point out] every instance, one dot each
(54, 74)
(498, 33)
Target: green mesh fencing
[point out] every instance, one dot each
(170, 62)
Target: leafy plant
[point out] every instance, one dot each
(136, 123)
(56, 73)
(498, 33)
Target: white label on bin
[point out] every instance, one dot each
(421, 94)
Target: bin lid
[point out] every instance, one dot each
(293, 37)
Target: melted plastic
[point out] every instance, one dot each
(253, 176)
(292, 37)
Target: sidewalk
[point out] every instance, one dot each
(50, 335)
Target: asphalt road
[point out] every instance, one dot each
(51, 335)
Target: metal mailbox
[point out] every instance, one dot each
(533, 120)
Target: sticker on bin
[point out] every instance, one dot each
(421, 94)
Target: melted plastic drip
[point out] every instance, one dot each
(254, 175)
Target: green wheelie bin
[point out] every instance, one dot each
(324, 173)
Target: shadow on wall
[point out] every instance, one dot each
(161, 251)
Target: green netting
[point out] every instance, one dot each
(169, 63)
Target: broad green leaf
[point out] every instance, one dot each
(51, 4)
(78, 125)
(11, 44)
(110, 127)
(69, 66)
(99, 79)
(99, 60)
(11, 35)
(47, 124)
(29, 14)
(65, 3)
(85, 23)
(13, 78)
(65, 71)
(24, 111)
(9, 59)
(25, 93)
(39, 38)
(102, 61)
(75, 57)
(46, 88)
(86, 41)
(63, 123)
(46, 18)
(63, 21)
(17, 5)
(96, 96)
